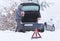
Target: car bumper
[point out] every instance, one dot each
(32, 26)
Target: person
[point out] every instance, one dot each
(19, 14)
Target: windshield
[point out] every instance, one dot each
(30, 8)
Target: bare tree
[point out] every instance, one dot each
(8, 21)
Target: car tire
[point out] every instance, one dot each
(42, 30)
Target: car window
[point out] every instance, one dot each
(30, 8)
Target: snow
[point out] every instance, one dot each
(8, 3)
(17, 36)
(50, 12)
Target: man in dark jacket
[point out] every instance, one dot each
(19, 14)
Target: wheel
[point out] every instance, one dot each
(22, 31)
(42, 30)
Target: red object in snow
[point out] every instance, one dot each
(36, 33)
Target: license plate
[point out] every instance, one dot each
(28, 25)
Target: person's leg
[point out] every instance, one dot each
(18, 28)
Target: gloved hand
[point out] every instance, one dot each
(23, 13)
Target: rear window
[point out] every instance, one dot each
(30, 8)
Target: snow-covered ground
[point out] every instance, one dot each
(16, 36)
(50, 12)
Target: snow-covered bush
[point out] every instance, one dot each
(8, 18)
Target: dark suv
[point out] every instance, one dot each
(32, 13)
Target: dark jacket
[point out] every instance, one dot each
(18, 12)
